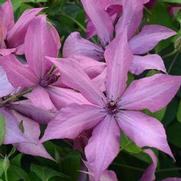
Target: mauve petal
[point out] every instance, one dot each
(118, 58)
(20, 50)
(17, 33)
(5, 86)
(103, 147)
(39, 97)
(31, 131)
(3, 33)
(149, 174)
(18, 74)
(149, 37)
(100, 81)
(6, 14)
(72, 120)
(108, 176)
(73, 76)
(40, 42)
(131, 17)
(12, 132)
(62, 97)
(100, 19)
(144, 130)
(38, 114)
(147, 62)
(90, 29)
(92, 67)
(55, 36)
(152, 93)
(76, 45)
(5, 52)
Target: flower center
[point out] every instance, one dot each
(112, 107)
(48, 79)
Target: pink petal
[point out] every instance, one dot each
(100, 19)
(5, 52)
(108, 176)
(72, 120)
(102, 147)
(32, 133)
(5, 86)
(149, 37)
(118, 58)
(92, 67)
(40, 42)
(73, 76)
(100, 81)
(76, 45)
(152, 93)
(144, 130)
(39, 97)
(3, 33)
(147, 62)
(149, 174)
(6, 14)
(12, 132)
(17, 33)
(55, 36)
(131, 18)
(62, 97)
(18, 74)
(38, 114)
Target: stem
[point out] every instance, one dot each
(168, 169)
(173, 62)
(147, 10)
(6, 176)
(74, 20)
(170, 54)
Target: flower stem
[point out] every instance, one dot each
(75, 21)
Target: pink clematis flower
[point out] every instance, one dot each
(26, 140)
(140, 43)
(12, 34)
(37, 73)
(114, 111)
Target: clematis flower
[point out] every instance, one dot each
(47, 95)
(26, 139)
(140, 43)
(114, 111)
(12, 33)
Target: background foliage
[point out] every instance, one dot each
(68, 16)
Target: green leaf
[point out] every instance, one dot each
(179, 112)
(71, 165)
(158, 115)
(45, 173)
(1, 167)
(129, 146)
(16, 173)
(2, 129)
(172, 1)
(159, 15)
(174, 134)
